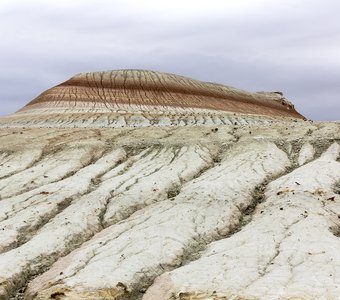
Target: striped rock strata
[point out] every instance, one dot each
(143, 98)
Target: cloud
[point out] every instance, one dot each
(251, 44)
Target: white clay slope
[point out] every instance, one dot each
(293, 255)
(171, 212)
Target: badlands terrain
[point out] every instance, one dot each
(135, 184)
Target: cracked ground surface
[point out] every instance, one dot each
(202, 212)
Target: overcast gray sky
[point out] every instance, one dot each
(283, 45)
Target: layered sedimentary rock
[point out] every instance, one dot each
(248, 209)
(143, 98)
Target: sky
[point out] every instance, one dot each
(291, 46)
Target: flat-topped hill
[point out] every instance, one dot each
(137, 98)
(140, 90)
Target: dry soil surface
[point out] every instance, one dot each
(187, 212)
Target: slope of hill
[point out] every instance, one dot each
(245, 211)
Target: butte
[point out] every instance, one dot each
(142, 98)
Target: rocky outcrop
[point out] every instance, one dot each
(128, 98)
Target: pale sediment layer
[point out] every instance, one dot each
(296, 250)
(102, 118)
(204, 212)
